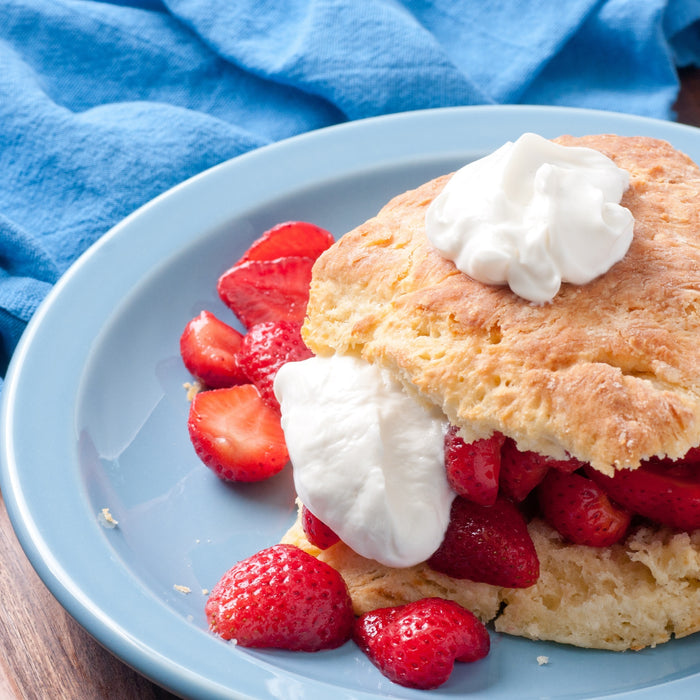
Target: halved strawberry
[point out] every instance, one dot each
(258, 291)
(667, 493)
(417, 644)
(265, 348)
(316, 531)
(488, 544)
(236, 434)
(579, 510)
(521, 471)
(473, 468)
(291, 238)
(209, 348)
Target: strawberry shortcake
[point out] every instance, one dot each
(503, 407)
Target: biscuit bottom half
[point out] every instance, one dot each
(632, 595)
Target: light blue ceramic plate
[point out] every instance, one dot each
(94, 416)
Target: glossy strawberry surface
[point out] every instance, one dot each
(417, 644)
(580, 511)
(316, 531)
(236, 434)
(665, 492)
(290, 238)
(523, 470)
(488, 544)
(282, 598)
(265, 348)
(209, 349)
(473, 468)
(267, 290)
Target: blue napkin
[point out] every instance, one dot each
(104, 105)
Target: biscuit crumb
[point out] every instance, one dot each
(542, 660)
(192, 388)
(205, 591)
(106, 519)
(182, 589)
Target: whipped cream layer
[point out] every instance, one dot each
(368, 459)
(533, 214)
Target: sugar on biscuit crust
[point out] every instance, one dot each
(608, 373)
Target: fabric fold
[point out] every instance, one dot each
(104, 105)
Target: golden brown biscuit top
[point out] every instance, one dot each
(608, 372)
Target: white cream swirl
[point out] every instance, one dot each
(533, 214)
(367, 458)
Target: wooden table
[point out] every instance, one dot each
(45, 654)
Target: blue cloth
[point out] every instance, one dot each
(104, 105)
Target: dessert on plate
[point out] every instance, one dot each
(573, 342)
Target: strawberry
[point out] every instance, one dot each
(291, 238)
(209, 348)
(521, 471)
(284, 598)
(236, 434)
(267, 290)
(488, 544)
(473, 468)
(578, 509)
(316, 531)
(265, 348)
(416, 645)
(668, 493)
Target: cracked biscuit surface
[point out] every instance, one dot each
(608, 372)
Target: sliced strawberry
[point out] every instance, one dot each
(489, 544)
(209, 348)
(258, 291)
(668, 494)
(521, 471)
(579, 510)
(291, 238)
(316, 531)
(284, 598)
(473, 468)
(265, 348)
(236, 434)
(417, 644)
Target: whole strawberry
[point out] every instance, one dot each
(284, 598)
(488, 544)
(417, 644)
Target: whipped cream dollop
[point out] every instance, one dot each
(367, 458)
(533, 214)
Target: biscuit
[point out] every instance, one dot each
(608, 372)
(632, 595)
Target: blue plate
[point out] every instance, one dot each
(94, 416)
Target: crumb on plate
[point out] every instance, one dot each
(106, 519)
